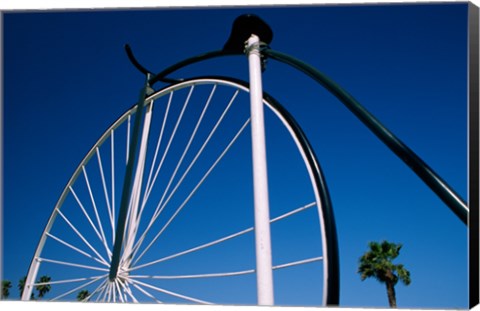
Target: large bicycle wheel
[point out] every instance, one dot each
(189, 230)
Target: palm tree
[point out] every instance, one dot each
(6, 285)
(21, 286)
(44, 286)
(377, 263)
(83, 295)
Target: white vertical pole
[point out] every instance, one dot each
(260, 182)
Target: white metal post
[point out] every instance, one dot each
(260, 181)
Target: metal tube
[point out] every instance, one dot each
(431, 179)
(137, 189)
(128, 181)
(260, 181)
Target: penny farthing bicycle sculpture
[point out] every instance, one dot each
(172, 203)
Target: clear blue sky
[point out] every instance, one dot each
(67, 78)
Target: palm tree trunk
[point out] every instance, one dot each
(391, 294)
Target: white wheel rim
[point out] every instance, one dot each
(128, 286)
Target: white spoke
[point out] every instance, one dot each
(121, 291)
(107, 293)
(99, 223)
(160, 207)
(224, 274)
(195, 189)
(187, 147)
(102, 288)
(104, 184)
(111, 209)
(128, 291)
(128, 136)
(85, 213)
(111, 295)
(293, 212)
(146, 293)
(193, 276)
(117, 287)
(71, 264)
(158, 289)
(192, 249)
(111, 292)
(71, 280)
(218, 241)
(167, 148)
(76, 249)
(76, 289)
(207, 140)
(296, 263)
(159, 141)
(81, 236)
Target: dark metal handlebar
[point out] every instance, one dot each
(162, 75)
(134, 61)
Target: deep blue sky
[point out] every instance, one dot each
(67, 78)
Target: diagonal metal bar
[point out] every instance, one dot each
(427, 174)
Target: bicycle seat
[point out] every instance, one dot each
(243, 27)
